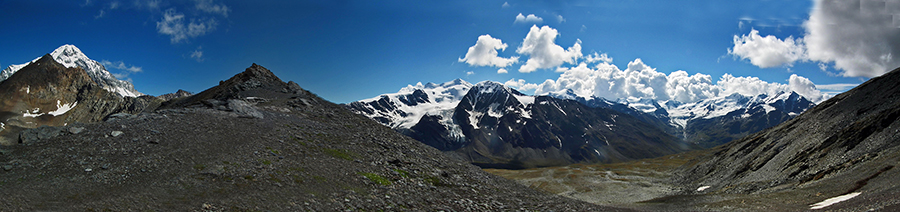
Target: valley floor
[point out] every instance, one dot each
(646, 185)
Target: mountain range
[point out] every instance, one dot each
(255, 142)
(496, 126)
(709, 122)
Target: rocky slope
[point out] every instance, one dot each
(253, 142)
(72, 57)
(492, 125)
(46, 92)
(844, 146)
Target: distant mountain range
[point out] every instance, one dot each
(708, 122)
(496, 126)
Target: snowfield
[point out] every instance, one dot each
(830, 201)
(60, 109)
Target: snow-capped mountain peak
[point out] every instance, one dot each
(404, 108)
(71, 56)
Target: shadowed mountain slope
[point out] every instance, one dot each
(847, 144)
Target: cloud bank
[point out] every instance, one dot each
(639, 80)
(858, 37)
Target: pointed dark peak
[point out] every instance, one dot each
(255, 73)
(47, 59)
(46, 70)
(256, 82)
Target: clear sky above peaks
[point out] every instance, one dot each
(351, 50)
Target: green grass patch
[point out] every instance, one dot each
(376, 178)
(435, 181)
(273, 150)
(402, 173)
(339, 153)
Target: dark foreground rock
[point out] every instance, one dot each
(301, 154)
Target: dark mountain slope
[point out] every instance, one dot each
(849, 143)
(297, 153)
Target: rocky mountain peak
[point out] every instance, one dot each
(256, 82)
(70, 56)
(255, 73)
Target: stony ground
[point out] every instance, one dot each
(648, 185)
(277, 158)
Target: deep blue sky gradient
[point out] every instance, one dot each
(350, 50)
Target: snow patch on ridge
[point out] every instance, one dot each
(60, 109)
(830, 201)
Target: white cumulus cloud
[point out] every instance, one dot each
(767, 51)
(860, 37)
(857, 38)
(805, 87)
(540, 45)
(484, 53)
(531, 18)
(502, 71)
(597, 57)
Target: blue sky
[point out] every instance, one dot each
(350, 50)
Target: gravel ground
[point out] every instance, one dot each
(268, 157)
